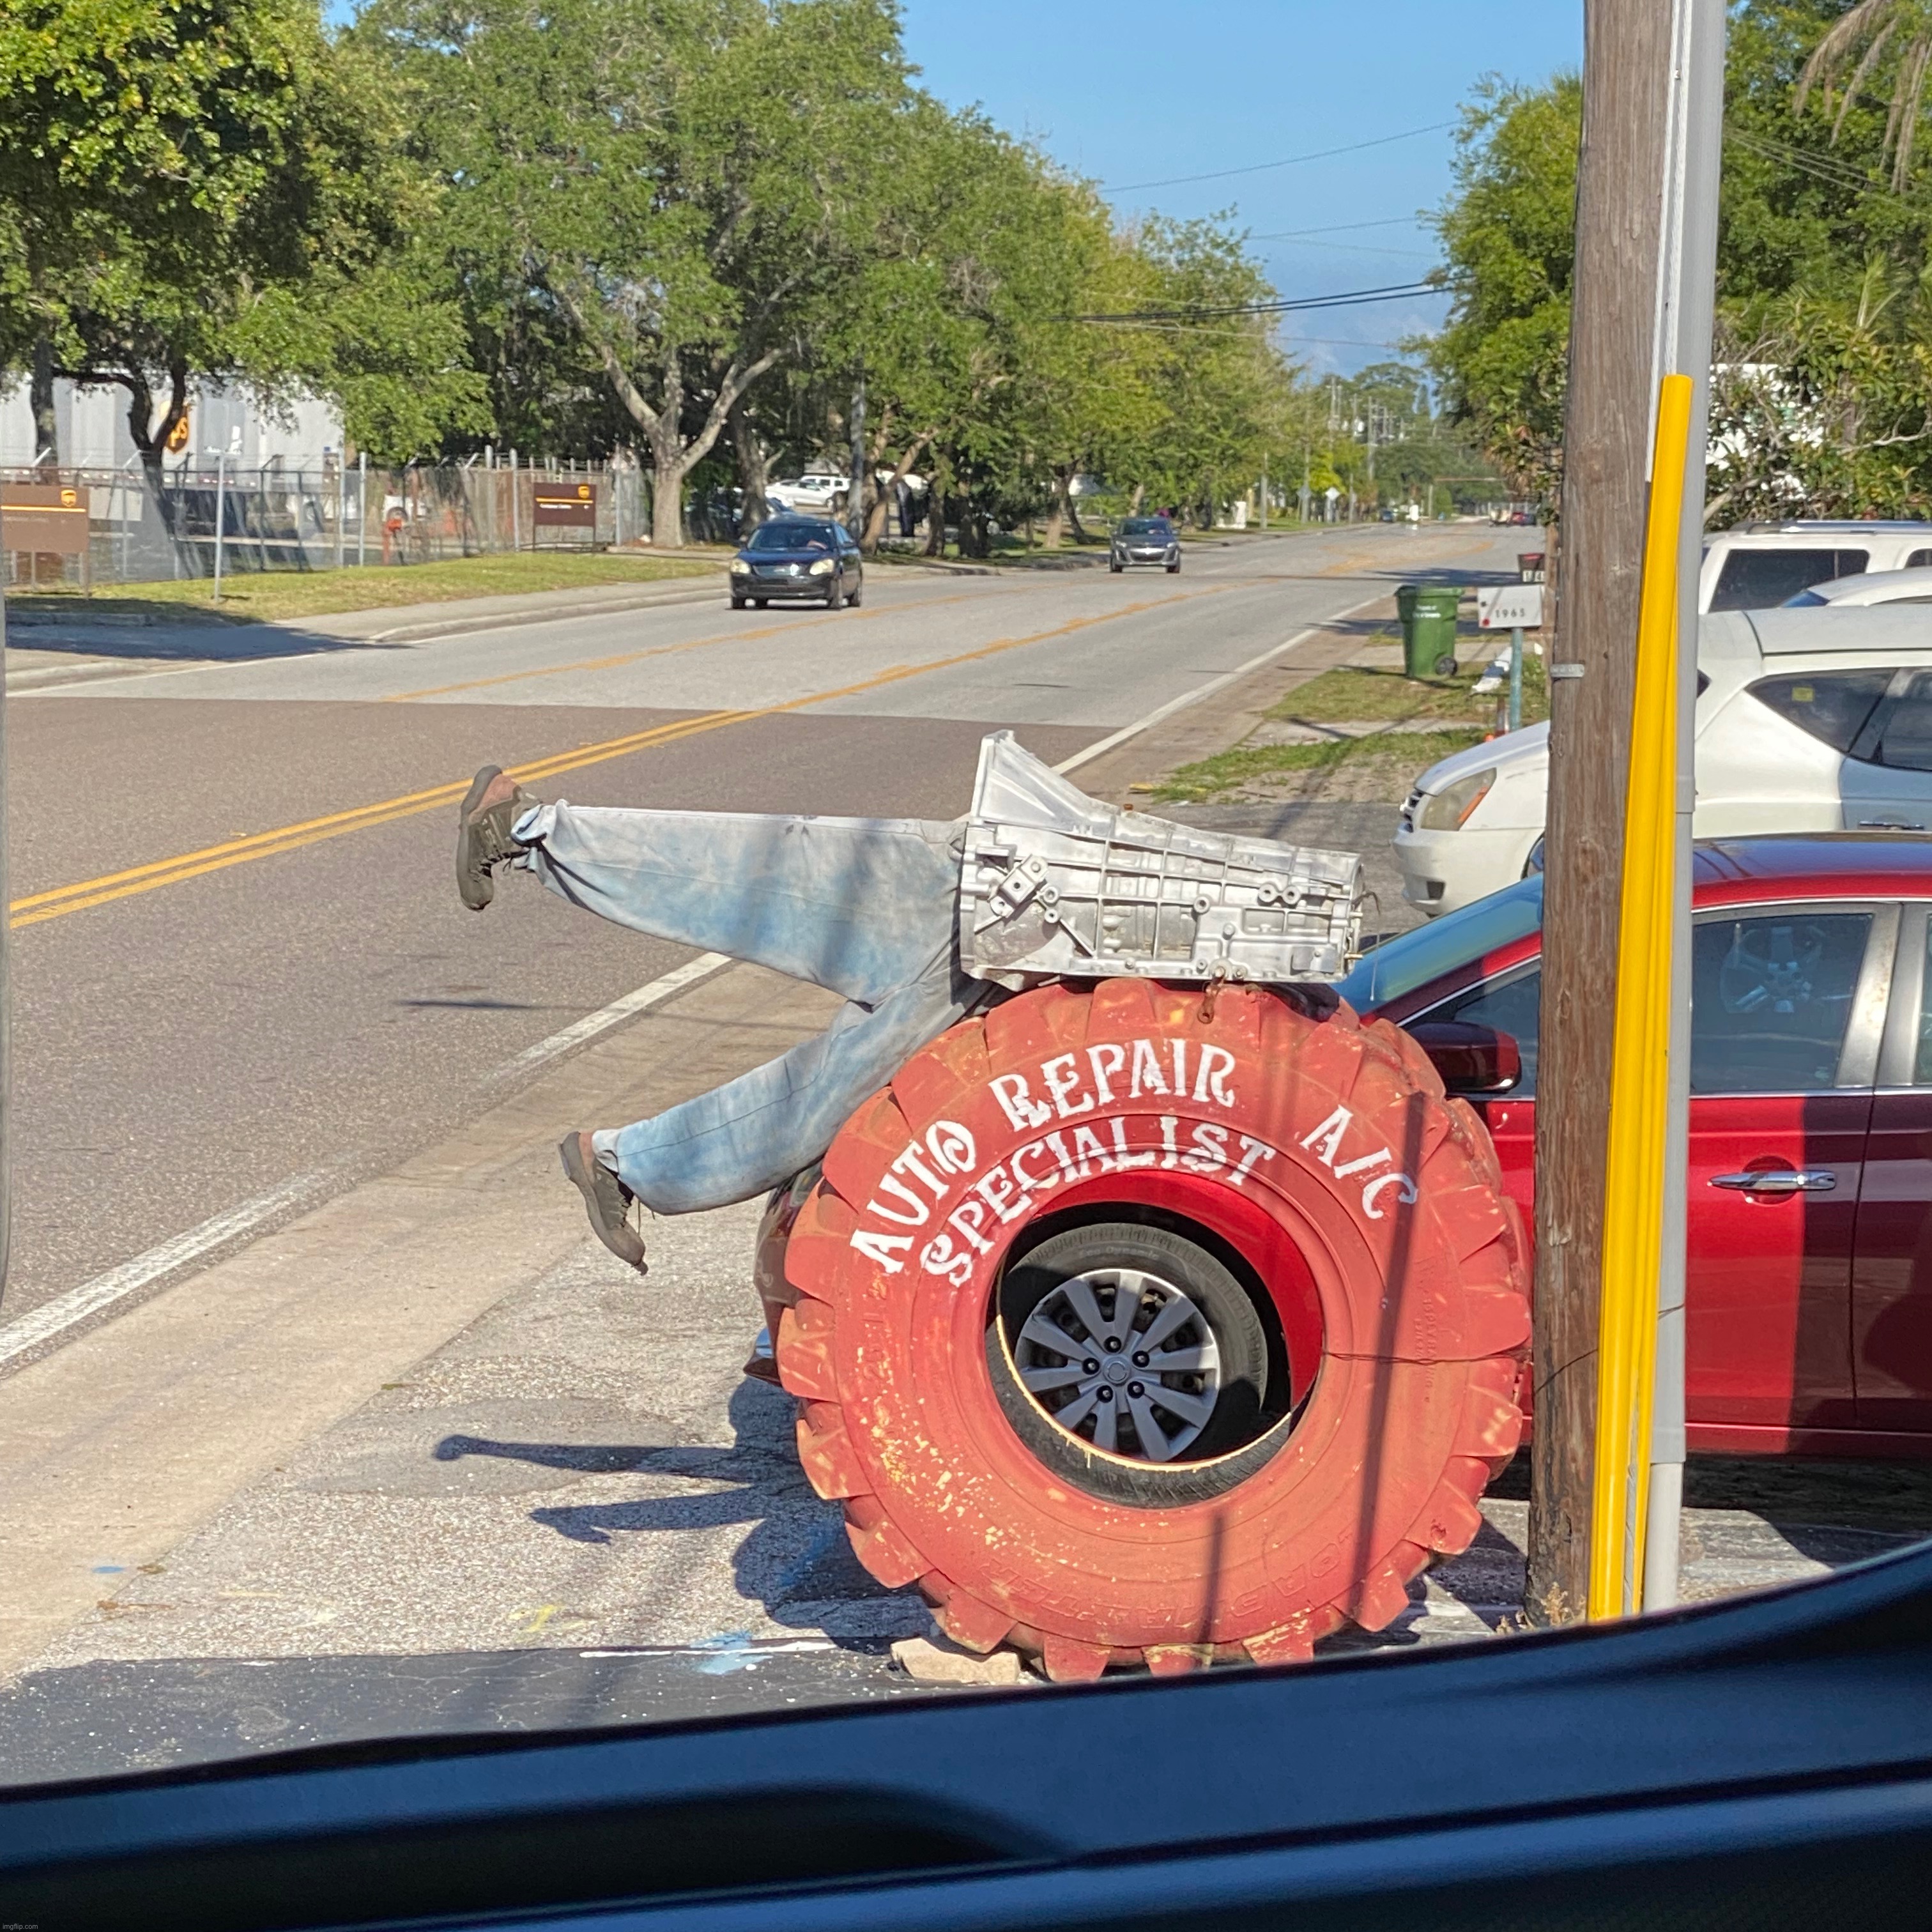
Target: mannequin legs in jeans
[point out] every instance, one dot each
(866, 907)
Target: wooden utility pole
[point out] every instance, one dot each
(1626, 55)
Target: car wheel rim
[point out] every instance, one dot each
(1123, 1360)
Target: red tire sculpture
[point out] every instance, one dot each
(1286, 1189)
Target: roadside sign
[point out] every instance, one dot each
(572, 506)
(178, 437)
(50, 517)
(1510, 607)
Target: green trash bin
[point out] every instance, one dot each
(1428, 614)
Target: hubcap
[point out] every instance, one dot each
(1123, 1359)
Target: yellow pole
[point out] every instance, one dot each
(1634, 1181)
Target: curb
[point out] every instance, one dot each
(456, 627)
(90, 671)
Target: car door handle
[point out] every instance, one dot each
(1779, 1180)
(1891, 825)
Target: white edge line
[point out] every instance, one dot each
(646, 997)
(1208, 689)
(52, 1318)
(55, 1317)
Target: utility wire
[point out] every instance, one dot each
(1262, 167)
(1839, 174)
(1336, 228)
(1348, 299)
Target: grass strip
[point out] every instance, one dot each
(1210, 778)
(1357, 692)
(266, 596)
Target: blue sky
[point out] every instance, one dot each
(1133, 92)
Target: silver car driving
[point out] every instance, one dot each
(1145, 540)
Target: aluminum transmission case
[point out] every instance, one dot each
(1056, 885)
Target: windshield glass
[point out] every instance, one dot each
(599, 1130)
(791, 536)
(1412, 959)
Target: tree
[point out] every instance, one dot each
(1822, 393)
(676, 186)
(212, 188)
(1508, 232)
(1874, 37)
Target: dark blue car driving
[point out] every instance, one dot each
(809, 559)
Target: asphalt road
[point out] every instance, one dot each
(409, 1451)
(320, 1008)
(409, 1409)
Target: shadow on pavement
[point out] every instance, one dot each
(797, 1562)
(200, 637)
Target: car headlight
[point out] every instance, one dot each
(1448, 810)
(822, 568)
(739, 568)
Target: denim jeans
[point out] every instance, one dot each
(866, 907)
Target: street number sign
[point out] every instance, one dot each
(1510, 607)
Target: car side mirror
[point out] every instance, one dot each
(1471, 1059)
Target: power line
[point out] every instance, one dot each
(1838, 173)
(1293, 161)
(1336, 228)
(1348, 299)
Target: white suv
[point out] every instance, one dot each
(1807, 720)
(1758, 565)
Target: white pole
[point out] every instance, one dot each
(516, 508)
(361, 502)
(1685, 295)
(221, 513)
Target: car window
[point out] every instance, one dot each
(1922, 1058)
(1146, 526)
(1412, 959)
(1512, 1004)
(1833, 706)
(1771, 998)
(1905, 731)
(1756, 579)
(1917, 560)
(789, 536)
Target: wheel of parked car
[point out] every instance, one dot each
(737, 603)
(857, 594)
(1137, 1325)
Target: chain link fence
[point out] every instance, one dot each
(335, 517)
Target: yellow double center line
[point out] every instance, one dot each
(38, 907)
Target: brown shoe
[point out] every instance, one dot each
(607, 1198)
(494, 803)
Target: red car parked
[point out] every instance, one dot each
(1809, 1314)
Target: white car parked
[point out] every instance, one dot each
(816, 490)
(1807, 720)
